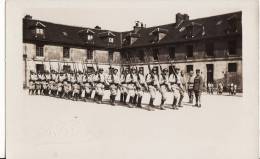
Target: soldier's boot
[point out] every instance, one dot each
(161, 105)
(151, 102)
(125, 96)
(95, 97)
(135, 99)
(113, 100)
(174, 106)
(121, 97)
(100, 99)
(180, 100)
(130, 102)
(139, 102)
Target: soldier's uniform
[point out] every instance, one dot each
(99, 80)
(38, 86)
(123, 87)
(190, 84)
(32, 85)
(54, 83)
(113, 80)
(198, 87)
(131, 80)
(153, 84)
(141, 86)
(182, 86)
(61, 78)
(220, 88)
(175, 82)
(43, 82)
(76, 90)
(164, 85)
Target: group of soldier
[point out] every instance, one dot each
(130, 84)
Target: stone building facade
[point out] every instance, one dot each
(211, 44)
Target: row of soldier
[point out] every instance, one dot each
(130, 84)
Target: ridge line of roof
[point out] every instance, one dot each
(121, 32)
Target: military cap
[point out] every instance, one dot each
(165, 69)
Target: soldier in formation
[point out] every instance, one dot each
(131, 86)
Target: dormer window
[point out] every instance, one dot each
(111, 40)
(232, 24)
(86, 34)
(108, 36)
(39, 31)
(90, 37)
(159, 34)
(130, 38)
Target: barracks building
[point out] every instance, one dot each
(211, 44)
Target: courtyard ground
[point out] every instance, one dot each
(57, 128)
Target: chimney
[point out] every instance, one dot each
(138, 26)
(181, 17)
(29, 17)
(98, 27)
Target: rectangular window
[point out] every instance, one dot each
(172, 52)
(209, 49)
(189, 68)
(66, 52)
(110, 40)
(66, 68)
(171, 68)
(90, 37)
(155, 54)
(232, 45)
(141, 55)
(90, 69)
(39, 68)
(189, 50)
(39, 31)
(110, 54)
(39, 50)
(90, 54)
(232, 67)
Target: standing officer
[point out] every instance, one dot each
(198, 87)
(182, 86)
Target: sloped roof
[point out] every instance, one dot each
(66, 35)
(214, 26)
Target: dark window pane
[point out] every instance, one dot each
(39, 68)
(66, 52)
(189, 51)
(155, 54)
(172, 52)
(189, 68)
(232, 67)
(90, 54)
(232, 45)
(210, 49)
(39, 50)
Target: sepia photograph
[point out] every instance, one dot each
(125, 80)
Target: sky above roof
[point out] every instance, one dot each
(121, 15)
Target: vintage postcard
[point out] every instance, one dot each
(132, 79)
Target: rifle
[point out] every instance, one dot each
(149, 66)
